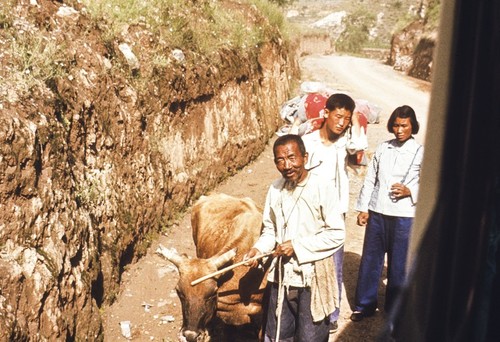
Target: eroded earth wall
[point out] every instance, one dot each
(96, 163)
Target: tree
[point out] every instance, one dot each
(357, 31)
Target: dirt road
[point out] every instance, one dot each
(148, 299)
(373, 81)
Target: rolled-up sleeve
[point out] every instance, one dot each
(365, 194)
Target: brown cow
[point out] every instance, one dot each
(224, 228)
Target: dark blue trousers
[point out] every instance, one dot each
(296, 319)
(384, 234)
(338, 259)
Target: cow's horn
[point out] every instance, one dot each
(170, 254)
(224, 258)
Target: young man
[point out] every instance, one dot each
(328, 149)
(303, 225)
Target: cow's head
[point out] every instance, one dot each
(199, 302)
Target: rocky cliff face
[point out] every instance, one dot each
(412, 48)
(95, 163)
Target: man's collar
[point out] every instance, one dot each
(305, 180)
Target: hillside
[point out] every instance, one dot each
(402, 33)
(115, 116)
(382, 18)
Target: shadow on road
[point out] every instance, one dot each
(370, 328)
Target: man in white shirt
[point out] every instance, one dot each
(328, 149)
(303, 225)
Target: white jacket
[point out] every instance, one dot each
(329, 161)
(392, 162)
(310, 218)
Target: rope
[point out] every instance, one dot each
(280, 299)
(281, 287)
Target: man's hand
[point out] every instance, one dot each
(250, 254)
(363, 218)
(285, 249)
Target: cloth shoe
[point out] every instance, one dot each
(333, 327)
(360, 315)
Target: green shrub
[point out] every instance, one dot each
(357, 32)
(397, 4)
(272, 12)
(403, 22)
(432, 14)
(36, 60)
(171, 21)
(282, 2)
(6, 11)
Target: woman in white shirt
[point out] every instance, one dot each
(386, 206)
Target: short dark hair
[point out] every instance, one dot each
(404, 112)
(340, 101)
(287, 138)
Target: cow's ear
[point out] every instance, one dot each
(170, 254)
(222, 259)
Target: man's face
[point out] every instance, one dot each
(290, 163)
(337, 120)
(402, 129)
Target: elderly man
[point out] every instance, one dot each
(303, 223)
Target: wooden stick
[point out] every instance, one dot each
(230, 267)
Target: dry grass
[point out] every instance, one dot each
(31, 59)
